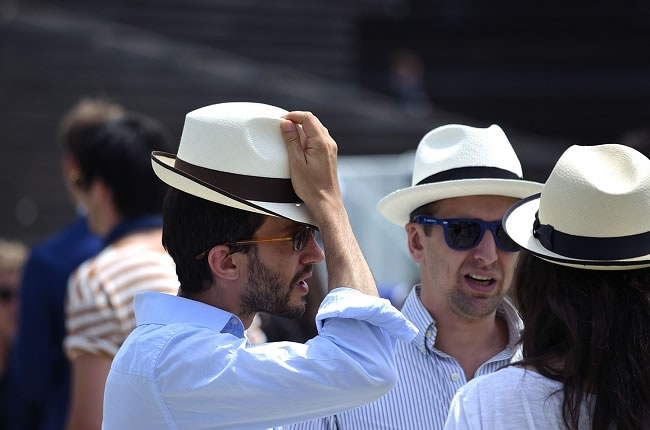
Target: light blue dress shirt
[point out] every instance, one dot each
(187, 365)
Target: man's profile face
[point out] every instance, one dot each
(277, 273)
(469, 283)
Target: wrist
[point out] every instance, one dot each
(328, 211)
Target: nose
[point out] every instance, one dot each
(486, 250)
(311, 253)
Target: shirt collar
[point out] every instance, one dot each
(132, 225)
(160, 308)
(415, 311)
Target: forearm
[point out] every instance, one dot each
(87, 395)
(346, 266)
(312, 160)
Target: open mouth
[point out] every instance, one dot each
(481, 280)
(302, 286)
(300, 280)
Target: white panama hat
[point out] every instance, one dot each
(593, 212)
(455, 161)
(234, 154)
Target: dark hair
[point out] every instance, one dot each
(119, 153)
(428, 209)
(590, 330)
(192, 225)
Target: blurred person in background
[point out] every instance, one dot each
(42, 371)
(583, 290)
(14, 409)
(464, 179)
(407, 84)
(124, 200)
(239, 222)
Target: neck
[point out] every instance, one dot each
(109, 222)
(219, 298)
(470, 341)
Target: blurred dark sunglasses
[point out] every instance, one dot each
(8, 294)
(299, 239)
(462, 234)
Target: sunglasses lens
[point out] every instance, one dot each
(503, 241)
(463, 234)
(301, 237)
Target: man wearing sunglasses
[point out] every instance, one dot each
(239, 222)
(464, 180)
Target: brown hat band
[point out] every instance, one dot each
(257, 188)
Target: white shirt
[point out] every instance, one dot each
(512, 398)
(427, 379)
(188, 366)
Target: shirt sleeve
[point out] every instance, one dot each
(200, 376)
(92, 325)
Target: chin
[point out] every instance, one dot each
(295, 311)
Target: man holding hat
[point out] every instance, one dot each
(464, 180)
(251, 184)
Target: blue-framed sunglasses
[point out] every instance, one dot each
(462, 234)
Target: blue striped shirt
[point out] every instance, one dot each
(428, 379)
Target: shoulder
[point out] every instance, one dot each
(510, 398)
(75, 243)
(167, 351)
(140, 249)
(509, 382)
(120, 258)
(505, 393)
(501, 382)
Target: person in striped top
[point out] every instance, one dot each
(464, 179)
(124, 201)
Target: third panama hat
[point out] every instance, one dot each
(593, 212)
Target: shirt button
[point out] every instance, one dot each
(455, 377)
(422, 349)
(427, 334)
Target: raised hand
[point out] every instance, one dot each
(312, 161)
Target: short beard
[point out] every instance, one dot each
(465, 306)
(265, 292)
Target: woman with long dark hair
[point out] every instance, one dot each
(583, 288)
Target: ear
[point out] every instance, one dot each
(223, 264)
(70, 166)
(414, 235)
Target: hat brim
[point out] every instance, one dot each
(163, 166)
(398, 205)
(518, 223)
